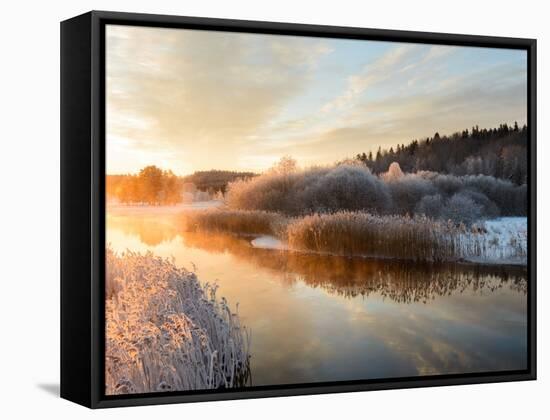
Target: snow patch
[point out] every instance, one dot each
(504, 241)
(268, 242)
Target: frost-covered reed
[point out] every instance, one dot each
(364, 234)
(359, 233)
(417, 238)
(166, 331)
(235, 221)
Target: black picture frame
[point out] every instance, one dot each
(83, 206)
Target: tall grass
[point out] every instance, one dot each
(235, 221)
(416, 238)
(166, 331)
(358, 233)
(347, 233)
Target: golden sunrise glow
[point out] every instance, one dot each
(195, 100)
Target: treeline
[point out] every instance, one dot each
(151, 185)
(154, 186)
(353, 187)
(215, 181)
(498, 152)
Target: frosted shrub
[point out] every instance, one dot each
(447, 185)
(166, 331)
(488, 209)
(346, 187)
(462, 208)
(511, 199)
(266, 192)
(342, 187)
(394, 172)
(407, 191)
(431, 206)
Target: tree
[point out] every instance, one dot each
(171, 188)
(150, 179)
(286, 165)
(461, 208)
(430, 206)
(379, 154)
(477, 152)
(128, 190)
(394, 172)
(412, 147)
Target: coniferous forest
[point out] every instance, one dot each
(500, 152)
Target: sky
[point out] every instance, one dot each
(189, 100)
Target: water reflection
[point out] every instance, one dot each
(326, 318)
(401, 281)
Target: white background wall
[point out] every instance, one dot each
(29, 219)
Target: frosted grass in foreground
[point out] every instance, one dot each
(165, 331)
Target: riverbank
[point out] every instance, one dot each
(497, 241)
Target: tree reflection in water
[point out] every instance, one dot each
(400, 281)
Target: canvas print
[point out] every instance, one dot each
(286, 210)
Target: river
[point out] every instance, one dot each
(325, 318)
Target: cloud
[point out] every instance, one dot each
(412, 92)
(372, 74)
(394, 120)
(195, 92)
(189, 100)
